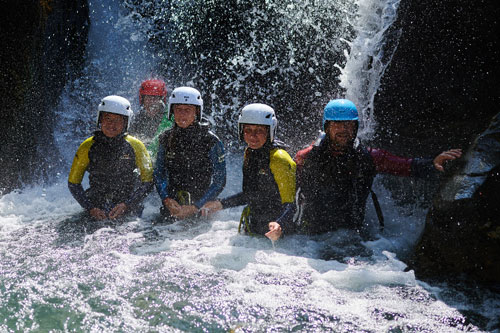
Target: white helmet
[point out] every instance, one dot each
(115, 104)
(258, 114)
(185, 95)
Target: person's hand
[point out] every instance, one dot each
(446, 156)
(98, 214)
(172, 205)
(210, 208)
(186, 211)
(274, 231)
(118, 211)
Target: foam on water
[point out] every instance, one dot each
(201, 275)
(58, 274)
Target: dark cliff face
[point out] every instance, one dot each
(43, 45)
(443, 85)
(441, 90)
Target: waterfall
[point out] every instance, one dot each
(118, 59)
(370, 54)
(59, 274)
(294, 55)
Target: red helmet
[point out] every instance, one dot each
(154, 87)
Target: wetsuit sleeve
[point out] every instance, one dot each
(283, 169)
(78, 193)
(78, 168)
(142, 159)
(299, 160)
(238, 199)
(160, 174)
(218, 161)
(143, 163)
(423, 168)
(388, 163)
(286, 217)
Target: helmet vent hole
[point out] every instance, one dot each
(268, 116)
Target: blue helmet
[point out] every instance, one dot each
(340, 110)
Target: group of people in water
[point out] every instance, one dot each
(324, 188)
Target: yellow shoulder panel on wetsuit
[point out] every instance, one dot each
(142, 159)
(283, 169)
(80, 162)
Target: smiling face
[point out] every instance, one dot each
(341, 134)
(255, 136)
(184, 115)
(112, 124)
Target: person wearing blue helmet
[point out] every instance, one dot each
(335, 175)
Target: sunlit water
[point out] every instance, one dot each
(59, 274)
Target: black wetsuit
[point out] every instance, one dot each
(111, 164)
(268, 189)
(335, 188)
(190, 160)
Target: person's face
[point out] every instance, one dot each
(184, 115)
(341, 134)
(112, 124)
(255, 136)
(153, 105)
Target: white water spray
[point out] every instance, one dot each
(194, 276)
(368, 57)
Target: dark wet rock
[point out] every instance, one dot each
(442, 86)
(43, 45)
(462, 233)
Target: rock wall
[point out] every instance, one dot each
(443, 84)
(43, 45)
(441, 91)
(462, 232)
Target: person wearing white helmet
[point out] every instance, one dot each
(268, 177)
(190, 166)
(110, 157)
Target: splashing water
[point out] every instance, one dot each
(58, 274)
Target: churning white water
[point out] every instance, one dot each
(58, 274)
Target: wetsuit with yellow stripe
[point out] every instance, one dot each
(111, 164)
(268, 189)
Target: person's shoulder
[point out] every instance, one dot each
(213, 138)
(134, 142)
(166, 133)
(304, 152)
(87, 143)
(368, 151)
(280, 155)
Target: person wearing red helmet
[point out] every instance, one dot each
(152, 119)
